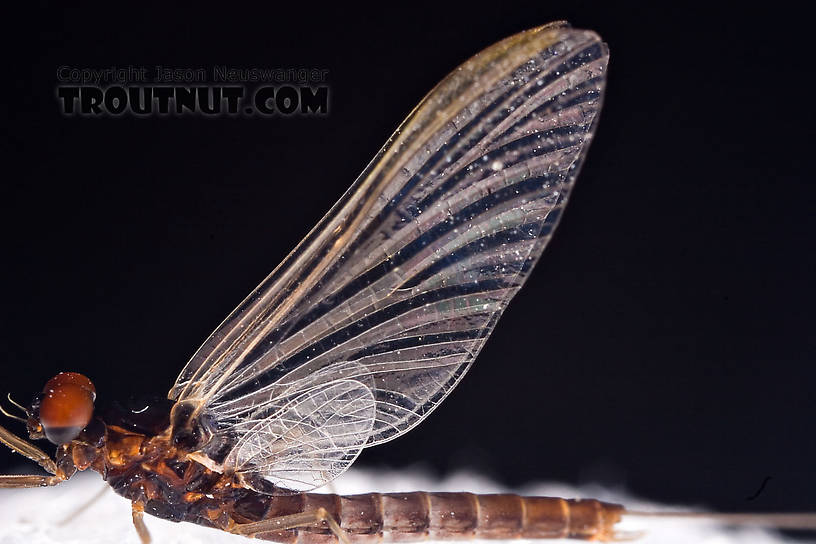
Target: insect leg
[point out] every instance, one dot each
(28, 450)
(15, 480)
(84, 506)
(293, 521)
(138, 522)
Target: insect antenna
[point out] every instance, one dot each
(16, 404)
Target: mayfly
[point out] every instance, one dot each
(364, 328)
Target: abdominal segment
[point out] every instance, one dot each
(398, 517)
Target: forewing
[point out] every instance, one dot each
(400, 284)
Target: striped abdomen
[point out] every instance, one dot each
(391, 517)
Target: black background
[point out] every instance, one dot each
(665, 341)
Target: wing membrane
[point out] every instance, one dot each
(400, 284)
(307, 440)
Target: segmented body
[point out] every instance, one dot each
(160, 479)
(396, 517)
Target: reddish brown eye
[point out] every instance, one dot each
(74, 378)
(66, 407)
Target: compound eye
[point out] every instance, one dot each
(66, 407)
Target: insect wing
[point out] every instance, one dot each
(307, 440)
(400, 284)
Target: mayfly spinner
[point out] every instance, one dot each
(364, 328)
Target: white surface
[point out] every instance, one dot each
(32, 516)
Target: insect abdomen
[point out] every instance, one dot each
(398, 517)
(445, 516)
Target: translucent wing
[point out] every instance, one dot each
(400, 284)
(308, 439)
